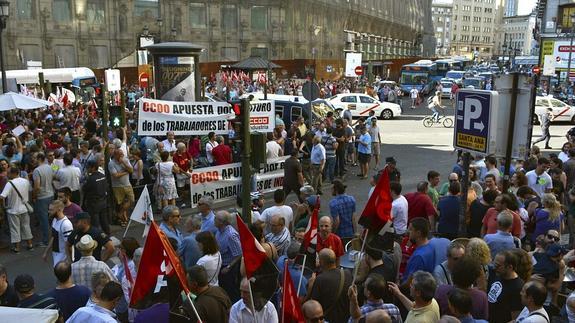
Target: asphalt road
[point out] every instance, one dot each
(416, 149)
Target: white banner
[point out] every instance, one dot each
(262, 116)
(224, 182)
(156, 117)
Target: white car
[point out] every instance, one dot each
(561, 110)
(446, 88)
(361, 104)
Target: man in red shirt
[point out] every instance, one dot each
(419, 205)
(501, 203)
(222, 153)
(326, 239)
(183, 159)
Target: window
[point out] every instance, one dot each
(100, 57)
(65, 56)
(259, 52)
(466, 18)
(25, 9)
(198, 13)
(466, 8)
(230, 54)
(149, 8)
(259, 18)
(464, 28)
(96, 12)
(488, 10)
(541, 102)
(477, 9)
(280, 111)
(476, 19)
(31, 52)
(349, 98)
(366, 99)
(556, 103)
(476, 29)
(229, 17)
(296, 112)
(62, 11)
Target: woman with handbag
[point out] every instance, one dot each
(165, 185)
(15, 199)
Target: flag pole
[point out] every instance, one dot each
(361, 253)
(127, 227)
(283, 291)
(252, 299)
(301, 276)
(193, 307)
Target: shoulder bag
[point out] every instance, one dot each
(27, 204)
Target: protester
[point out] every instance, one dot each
(83, 269)
(67, 294)
(211, 302)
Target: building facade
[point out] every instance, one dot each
(516, 36)
(441, 15)
(100, 33)
(510, 8)
(474, 27)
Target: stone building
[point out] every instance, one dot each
(442, 15)
(100, 33)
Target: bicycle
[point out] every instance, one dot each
(429, 121)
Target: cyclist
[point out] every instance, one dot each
(434, 103)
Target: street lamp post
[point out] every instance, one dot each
(4, 14)
(568, 78)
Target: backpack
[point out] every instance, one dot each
(430, 100)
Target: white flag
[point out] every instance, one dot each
(143, 212)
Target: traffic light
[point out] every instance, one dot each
(236, 124)
(116, 116)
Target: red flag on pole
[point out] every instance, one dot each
(127, 271)
(158, 253)
(310, 236)
(291, 310)
(65, 100)
(253, 252)
(260, 270)
(377, 211)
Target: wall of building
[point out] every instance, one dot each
(442, 15)
(99, 33)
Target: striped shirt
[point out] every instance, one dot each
(328, 141)
(281, 240)
(229, 242)
(83, 269)
(371, 306)
(38, 301)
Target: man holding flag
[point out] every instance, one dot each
(242, 310)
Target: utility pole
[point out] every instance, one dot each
(510, 131)
(246, 165)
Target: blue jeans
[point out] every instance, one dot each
(41, 211)
(435, 114)
(329, 170)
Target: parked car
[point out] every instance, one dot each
(477, 83)
(561, 110)
(360, 104)
(446, 85)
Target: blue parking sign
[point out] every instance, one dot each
(472, 120)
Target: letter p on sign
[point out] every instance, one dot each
(472, 112)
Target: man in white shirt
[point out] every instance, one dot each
(533, 295)
(170, 142)
(538, 179)
(242, 310)
(69, 176)
(399, 208)
(413, 94)
(280, 209)
(13, 198)
(273, 149)
(61, 229)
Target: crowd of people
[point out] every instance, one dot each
(55, 181)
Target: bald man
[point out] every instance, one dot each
(312, 311)
(326, 239)
(330, 287)
(377, 316)
(241, 311)
(279, 234)
(444, 190)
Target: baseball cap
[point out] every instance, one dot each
(312, 200)
(24, 283)
(307, 190)
(82, 216)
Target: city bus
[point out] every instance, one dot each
(445, 65)
(418, 75)
(81, 80)
(462, 63)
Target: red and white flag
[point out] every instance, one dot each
(291, 309)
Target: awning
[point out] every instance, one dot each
(526, 60)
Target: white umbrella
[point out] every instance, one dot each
(10, 101)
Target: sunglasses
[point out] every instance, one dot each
(552, 237)
(317, 319)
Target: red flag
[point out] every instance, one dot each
(310, 236)
(291, 310)
(65, 100)
(157, 251)
(253, 252)
(377, 211)
(224, 77)
(234, 76)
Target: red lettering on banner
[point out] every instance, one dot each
(200, 178)
(566, 48)
(156, 107)
(259, 120)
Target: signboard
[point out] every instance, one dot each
(352, 60)
(559, 50)
(113, 81)
(472, 120)
(549, 65)
(358, 71)
(262, 116)
(224, 183)
(156, 117)
(174, 77)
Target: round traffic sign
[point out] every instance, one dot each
(310, 90)
(536, 70)
(144, 80)
(359, 71)
(558, 59)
